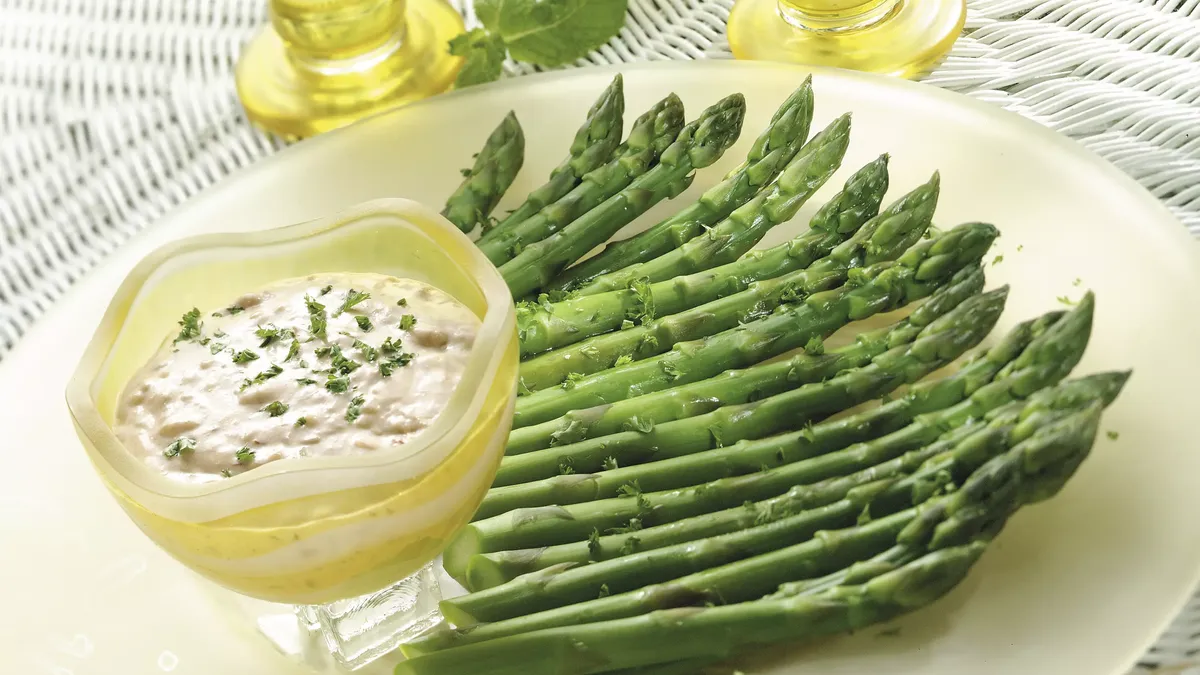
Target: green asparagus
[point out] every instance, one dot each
(878, 288)
(545, 327)
(593, 146)
(807, 172)
(495, 167)
(650, 135)
(773, 149)
(1056, 345)
(740, 386)
(885, 237)
(699, 144)
(1041, 458)
(940, 343)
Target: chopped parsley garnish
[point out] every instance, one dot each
(403, 302)
(216, 348)
(265, 375)
(386, 368)
(293, 350)
(180, 446)
(571, 379)
(337, 385)
(235, 309)
(352, 298)
(226, 473)
(301, 421)
(1112, 435)
(189, 326)
(305, 381)
(271, 333)
(355, 409)
(325, 291)
(316, 317)
(368, 352)
(815, 346)
(364, 323)
(389, 346)
(341, 364)
(244, 356)
(244, 456)
(275, 408)
(623, 360)
(407, 322)
(219, 334)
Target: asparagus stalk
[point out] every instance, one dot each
(885, 237)
(773, 149)
(592, 147)
(940, 343)
(699, 144)
(1040, 460)
(484, 184)
(725, 243)
(545, 327)
(741, 386)
(650, 135)
(712, 632)
(878, 288)
(1050, 346)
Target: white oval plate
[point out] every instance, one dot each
(1081, 584)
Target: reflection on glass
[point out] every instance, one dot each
(322, 64)
(893, 37)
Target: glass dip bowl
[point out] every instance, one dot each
(315, 532)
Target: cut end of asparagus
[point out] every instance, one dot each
(458, 553)
(490, 571)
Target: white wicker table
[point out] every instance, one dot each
(113, 112)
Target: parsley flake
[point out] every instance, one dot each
(352, 298)
(180, 446)
(325, 291)
(355, 409)
(244, 356)
(389, 346)
(364, 323)
(226, 473)
(265, 375)
(402, 302)
(317, 319)
(244, 456)
(293, 350)
(386, 368)
(271, 334)
(368, 352)
(407, 322)
(337, 385)
(275, 408)
(305, 381)
(189, 326)
(300, 421)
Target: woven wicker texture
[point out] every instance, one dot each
(112, 112)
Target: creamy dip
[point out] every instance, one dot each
(331, 364)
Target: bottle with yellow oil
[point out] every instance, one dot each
(893, 37)
(322, 64)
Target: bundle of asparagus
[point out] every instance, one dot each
(691, 472)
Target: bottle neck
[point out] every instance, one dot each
(334, 36)
(836, 15)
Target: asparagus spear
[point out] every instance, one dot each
(1050, 345)
(650, 135)
(878, 288)
(741, 386)
(561, 323)
(1033, 469)
(699, 144)
(885, 237)
(713, 632)
(592, 147)
(773, 149)
(943, 341)
(804, 175)
(495, 167)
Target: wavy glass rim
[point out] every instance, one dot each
(456, 420)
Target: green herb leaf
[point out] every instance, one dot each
(293, 350)
(180, 446)
(364, 323)
(815, 346)
(300, 421)
(244, 456)
(634, 525)
(226, 473)
(389, 346)
(643, 301)
(244, 356)
(484, 57)
(402, 302)
(571, 380)
(368, 352)
(610, 464)
(623, 360)
(325, 291)
(594, 542)
(317, 319)
(604, 592)
(275, 408)
(216, 348)
(566, 467)
(305, 381)
(386, 368)
(1112, 435)
(630, 546)
(353, 298)
(407, 322)
(271, 333)
(265, 375)
(189, 326)
(355, 408)
(235, 309)
(552, 32)
(338, 385)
